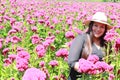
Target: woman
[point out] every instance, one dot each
(91, 42)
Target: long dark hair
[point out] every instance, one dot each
(89, 31)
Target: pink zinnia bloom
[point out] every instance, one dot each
(57, 31)
(62, 53)
(5, 51)
(20, 49)
(12, 21)
(34, 29)
(78, 30)
(7, 40)
(7, 62)
(68, 44)
(85, 68)
(1, 27)
(111, 35)
(41, 21)
(53, 63)
(30, 21)
(23, 54)
(69, 34)
(21, 63)
(117, 44)
(12, 57)
(35, 39)
(47, 23)
(55, 20)
(15, 39)
(111, 77)
(0, 45)
(69, 21)
(40, 49)
(34, 74)
(42, 64)
(93, 58)
(12, 31)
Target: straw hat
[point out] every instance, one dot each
(99, 17)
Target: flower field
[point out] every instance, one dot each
(35, 37)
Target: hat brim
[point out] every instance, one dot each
(108, 25)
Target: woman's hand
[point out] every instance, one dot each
(76, 67)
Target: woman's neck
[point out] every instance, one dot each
(96, 41)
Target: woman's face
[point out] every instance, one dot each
(98, 29)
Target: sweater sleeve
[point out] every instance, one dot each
(75, 50)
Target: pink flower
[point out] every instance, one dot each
(15, 39)
(7, 62)
(12, 57)
(34, 29)
(34, 74)
(69, 34)
(111, 77)
(42, 64)
(35, 39)
(62, 53)
(20, 49)
(111, 35)
(21, 64)
(5, 51)
(68, 43)
(53, 63)
(40, 49)
(78, 30)
(86, 66)
(93, 58)
(1, 27)
(23, 54)
(0, 45)
(41, 21)
(55, 20)
(117, 44)
(102, 66)
(12, 31)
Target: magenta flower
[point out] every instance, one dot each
(0, 45)
(40, 49)
(12, 57)
(69, 34)
(23, 54)
(93, 58)
(1, 27)
(20, 49)
(35, 39)
(86, 66)
(15, 39)
(34, 29)
(41, 21)
(117, 44)
(21, 63)
(53, 63)
(34, 74)
(111, 35)
(7, 62)
(42, 64)
(78, 31)
(111, 77)
(5, 51)
(12, 31)
(55, 20)
(62, 53)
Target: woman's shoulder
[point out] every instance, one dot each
(82, 35)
